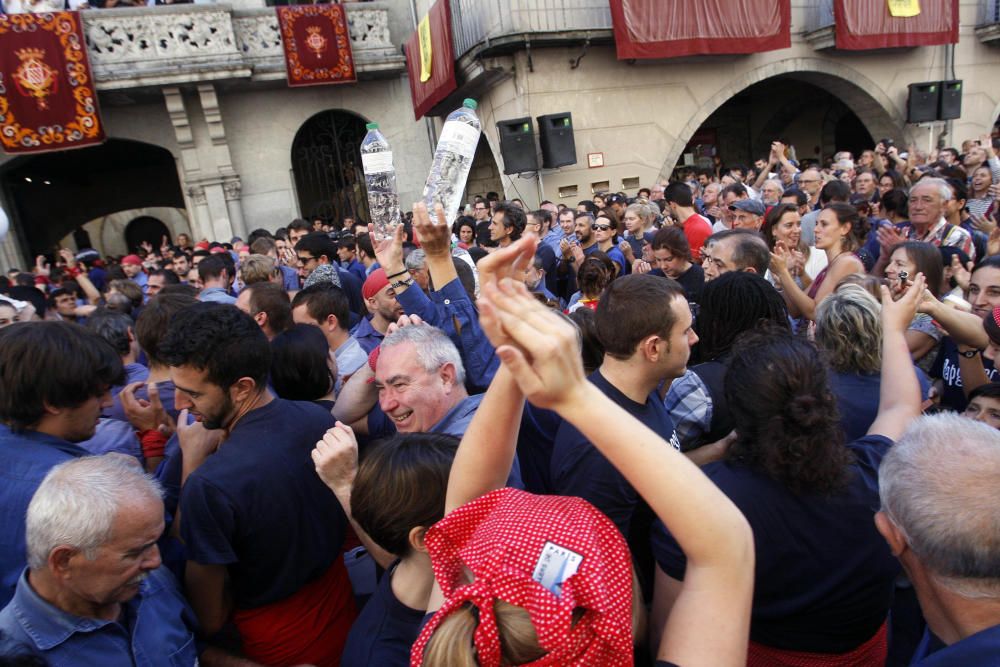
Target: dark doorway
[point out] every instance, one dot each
(52, 194)
(326, 161)
(816, 121)
(145, 229)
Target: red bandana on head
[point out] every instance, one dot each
(547, 554)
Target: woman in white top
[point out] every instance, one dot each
(783, 226)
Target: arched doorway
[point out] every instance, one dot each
(52, 194)
(801, 100)
(326, 161)
(145, 229)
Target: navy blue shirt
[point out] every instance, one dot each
(258, 506)
(858, 399)
(351, 285)
(580, 469)
(25, 459)
(368, 337)
(157, 628)
(979, 650)
(356, 268)
(946, 368)
(385, 630)
(824, 575)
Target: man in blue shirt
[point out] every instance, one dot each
(383, 308)
(263, 534)
(645, 325)
(54, 382)
(347, 251)
(94, 592)
(938, 490)
(216, 278)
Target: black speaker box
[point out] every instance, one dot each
(950, 106)
(922, 104)
(558, 146)
(517, 145)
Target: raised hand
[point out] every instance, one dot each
(336, 459)
(68, 257)
(42, 266)
(961, 274)
(540, 349)
(434, 236)
(897, 315)
(146, 415)
(888, 236)
(403, 322)
(389, 251)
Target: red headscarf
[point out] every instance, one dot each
(547, 554)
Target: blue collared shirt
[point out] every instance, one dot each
(216, 295)
(289, 277)
(25, 459)
(451, 310)
(367, 336)
(980, 649)
(553, 238)
(156, 628)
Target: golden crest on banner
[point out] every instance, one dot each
(424, 34)
(904, 8)
(316, 42)
(34, 77)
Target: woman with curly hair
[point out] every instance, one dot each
(824, 577)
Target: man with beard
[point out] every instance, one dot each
(380, 300)
(55, 379)
(263, 535)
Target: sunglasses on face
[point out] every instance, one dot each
(600, 228)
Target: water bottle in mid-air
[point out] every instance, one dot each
(380, 180)
(452, 161)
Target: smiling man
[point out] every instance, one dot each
(55, 379)
(262, 533)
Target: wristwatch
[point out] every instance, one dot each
(396, 284)
(969, 354)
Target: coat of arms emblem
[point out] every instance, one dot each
(34, 77)
(316, 42)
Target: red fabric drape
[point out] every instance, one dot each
(867, 24)
(442, 82)
(317, 45)
(673, 28)
(47, 100)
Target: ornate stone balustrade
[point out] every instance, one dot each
(177, 44)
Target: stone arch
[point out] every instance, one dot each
(51, 194)
(875, 109)
(326, 166)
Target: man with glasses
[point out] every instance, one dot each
(810, 182)
(481, 212)
(317, 253)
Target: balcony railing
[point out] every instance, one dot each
(486, 21)
(171, 44)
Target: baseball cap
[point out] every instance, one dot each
(132, 259)
(754, 206)
(374, 283)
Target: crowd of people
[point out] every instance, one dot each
(744, 417)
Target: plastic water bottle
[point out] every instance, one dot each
(452, 161)
(380, 180)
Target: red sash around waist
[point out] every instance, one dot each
(870, 654)
(310, 627)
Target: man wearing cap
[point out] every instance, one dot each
(748, 214)
(383, 309)
(132, 267)
(696, 228)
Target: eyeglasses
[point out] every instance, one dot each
(304, 260)
(600, 228)
(480, 208)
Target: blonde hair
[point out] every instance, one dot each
(849, 330)
(644, 211)
(257, 269)
(452, 644)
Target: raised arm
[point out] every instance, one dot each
(709, 624)
(899, 395)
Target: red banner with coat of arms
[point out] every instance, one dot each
(47, 98)
(317, 44)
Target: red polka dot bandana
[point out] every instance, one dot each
(547, 554)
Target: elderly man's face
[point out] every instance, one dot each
(120, 565)
(412, 397)
(926, 204)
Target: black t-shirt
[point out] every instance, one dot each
(580, 469)
(385, 630)
(258, 506)
(946, 369)
(823, 574)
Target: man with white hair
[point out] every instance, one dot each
(927, 221)
(939, 515)
(94, 592)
